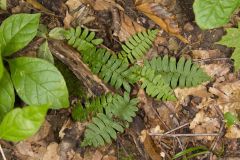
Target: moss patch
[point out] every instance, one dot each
(74, 85)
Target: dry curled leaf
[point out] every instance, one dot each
(204, 123)
(100, 5)
(52, 152)
(149, 146)
(228, 96)
(162, 17)
(128, 27)
(233, 132)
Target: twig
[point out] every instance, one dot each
(183, 135)
(3, 155)
(176, 128)
(211, 59)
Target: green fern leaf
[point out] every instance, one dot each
(124, 108)
(81, 39)
(115, 113)
(182, 73)
(155, 85)
(137, 45)
(102, 129)
(111, 69)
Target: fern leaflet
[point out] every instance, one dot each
(81, 39)
(137, 45)
(182, 73)
(111, 69)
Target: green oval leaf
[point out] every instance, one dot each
(38, 82)
(211, 14)
(45, 53)
(17, 31)
(1, 66)
(22, 123)
(7, 96)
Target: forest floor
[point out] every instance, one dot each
(161, 129)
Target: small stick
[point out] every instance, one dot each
(176, 128)
(184, 135)
(3, 155)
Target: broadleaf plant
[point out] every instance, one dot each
(7, 96)
(232, 39)
(36, 81)
(21, 123)
(211, 14)
(45, 83)
(17, 31)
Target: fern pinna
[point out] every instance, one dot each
(137, 45)
(81, 39)
(154, 84)
(111, 69)
(117, 113)
(182, 73)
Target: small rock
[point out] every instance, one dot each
(188, 27)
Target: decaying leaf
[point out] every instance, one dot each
(149, 146)
(200, 91)
(162, 17)
(100, 5)
(228, 96)
(38, 6)
(203, 123)
(233, 132)
(128, 27)
(52, 152)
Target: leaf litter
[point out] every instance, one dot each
(198, 111)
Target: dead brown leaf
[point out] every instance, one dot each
(38, 6)
(206, 54)
(107, 157)
(128, 27)
(67, 20)
(200, 91)
(52, 152)
(233, 132)
(204, 123)
(161, 17)
(149, 146)
(228, 96)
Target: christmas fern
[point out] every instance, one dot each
(155, 85)
(115, 112)
(111, 69)
(137, 45)
(182, 73)
(81, 39)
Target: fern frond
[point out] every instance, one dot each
(111, 69)
(81, 39)
(102, 130)
(137, 45)
(112, 105)
(183, 73)
(119, 111)
(154, 84)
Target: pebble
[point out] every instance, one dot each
(188, 27)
